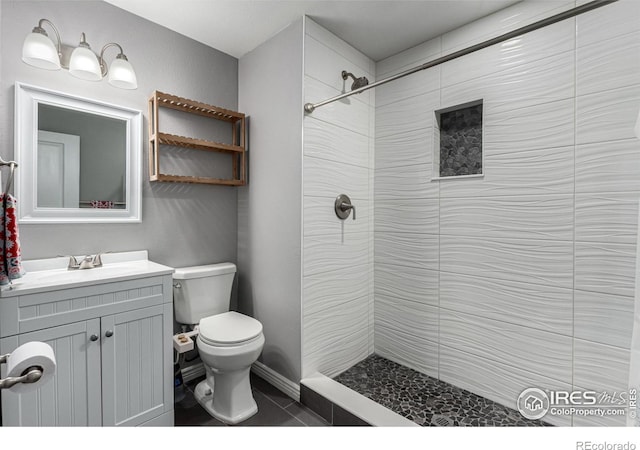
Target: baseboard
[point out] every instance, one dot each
(287, 386)
(192, 372)
(275, 379)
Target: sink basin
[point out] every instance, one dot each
(52, 273)
(70, 276)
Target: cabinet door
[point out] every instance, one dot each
(73, 397)
(137, 365)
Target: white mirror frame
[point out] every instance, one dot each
(27, 99)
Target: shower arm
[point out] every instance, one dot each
(310, 107)
(346, 75)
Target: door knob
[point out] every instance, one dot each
(93, 338)
(108, 333)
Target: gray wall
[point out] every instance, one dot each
(182, 224)
(269, 208)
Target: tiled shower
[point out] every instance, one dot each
(338, 157)
(521, 277)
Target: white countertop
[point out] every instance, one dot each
(51, 274)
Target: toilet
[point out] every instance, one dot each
(228, 342)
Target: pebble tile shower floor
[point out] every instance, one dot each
(425, 400)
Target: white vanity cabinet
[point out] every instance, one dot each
(112, 341)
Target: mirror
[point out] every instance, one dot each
(80, 159)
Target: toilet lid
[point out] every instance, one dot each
(229, 328)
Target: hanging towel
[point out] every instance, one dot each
(11, 267)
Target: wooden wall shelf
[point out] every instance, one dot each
(156, 139)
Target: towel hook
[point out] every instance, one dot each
(12, 165)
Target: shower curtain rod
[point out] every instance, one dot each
(310, 107)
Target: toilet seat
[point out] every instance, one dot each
(228, 329)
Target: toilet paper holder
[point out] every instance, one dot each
(29, 375)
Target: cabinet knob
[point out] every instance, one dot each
(93, 338)
(108, 333)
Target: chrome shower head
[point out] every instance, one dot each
(357, 82)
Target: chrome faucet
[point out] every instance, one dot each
(88, 262)
(73, 262)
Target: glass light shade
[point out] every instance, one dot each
(84, 64)
(39, 51)
(122, 75)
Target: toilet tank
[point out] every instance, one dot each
(202, 291)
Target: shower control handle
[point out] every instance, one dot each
(343, 207)
(346, 207)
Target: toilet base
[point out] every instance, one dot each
(242, 409)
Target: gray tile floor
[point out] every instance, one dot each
(275, 409)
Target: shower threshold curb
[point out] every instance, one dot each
(356, 404)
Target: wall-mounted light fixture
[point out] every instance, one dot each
(39, 50)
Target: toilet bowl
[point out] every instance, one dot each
(228, 344)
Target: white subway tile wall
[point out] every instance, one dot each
(524, 277)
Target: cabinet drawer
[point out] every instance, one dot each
(32, 312)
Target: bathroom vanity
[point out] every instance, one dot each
(110, 328)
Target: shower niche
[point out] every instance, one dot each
(458, 141)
